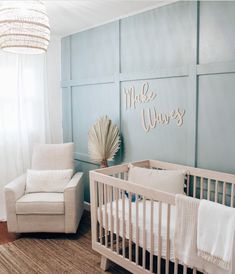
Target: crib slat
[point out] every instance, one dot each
(151, 236)
(105, 215)
(122, 175)
(119, 190)
(125, 176)
(175, 266)
(111, 214)
(95, 198)
(130, 226)
(232, 196)
(216, 191)
(208, 189)
(194, 186)
(185, 269)
(123, 225)
(224, 193)
(159, 237)
(117, 220)
(201, 188)
(168, 238)
(144, 232)
(137, 231)
(188, 177)
(100, 211)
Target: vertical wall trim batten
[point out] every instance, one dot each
(193, 89)
(117, 64)
(70, 88)
(71, 107)
(117, 72)
(197, 79)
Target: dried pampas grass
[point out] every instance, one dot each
(103, 141)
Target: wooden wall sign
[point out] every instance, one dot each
(150, 116)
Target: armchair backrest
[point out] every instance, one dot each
(53, 156)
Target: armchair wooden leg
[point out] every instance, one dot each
(105, 263)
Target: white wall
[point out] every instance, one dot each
(53, 87)
(54, 101)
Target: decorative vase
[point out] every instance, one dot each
(103, 164)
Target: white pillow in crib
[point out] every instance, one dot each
(165, 180)
(47, 180)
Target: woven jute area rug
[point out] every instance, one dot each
(53, 254)
(48, 256)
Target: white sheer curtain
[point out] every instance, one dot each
(24, 114)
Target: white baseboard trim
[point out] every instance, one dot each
(87, 206)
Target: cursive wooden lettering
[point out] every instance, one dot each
(132, 99)
(150, 118)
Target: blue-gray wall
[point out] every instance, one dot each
(186, 52)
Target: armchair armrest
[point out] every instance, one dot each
(13, 191)
(16, 188)
(74, 182)
(73, 198)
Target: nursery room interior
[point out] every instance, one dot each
(117, 137)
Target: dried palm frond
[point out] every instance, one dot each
(103, 140)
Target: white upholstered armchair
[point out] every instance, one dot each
(46, 211)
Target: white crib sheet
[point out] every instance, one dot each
(140, 225)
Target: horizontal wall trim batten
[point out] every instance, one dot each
(84, 158)
(202, 69)
(216, 68)
(87, 82)
(158, 74)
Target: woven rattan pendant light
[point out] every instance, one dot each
(24, 27)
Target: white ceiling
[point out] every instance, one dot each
(67, 17)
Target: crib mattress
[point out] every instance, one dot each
(107, 223)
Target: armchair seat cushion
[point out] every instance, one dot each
(40, 203)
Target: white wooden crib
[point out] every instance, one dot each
(139, 235)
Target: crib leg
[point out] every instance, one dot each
(105, 263)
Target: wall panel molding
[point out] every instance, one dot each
(87, 82)
(216, 68)
(158, 74)
(84, 158)
(176, 35)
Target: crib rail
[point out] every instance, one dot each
(118, 235)
(205, 184)
(131, 224)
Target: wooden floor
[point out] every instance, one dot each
(6, 237)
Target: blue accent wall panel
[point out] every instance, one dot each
(185, 51)
(168, 142)
(89, 103)
(65, 58)
(217, 28)
(216, 127)
(67, 115)
(92, 52)
(145, 41)
(85, 167)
